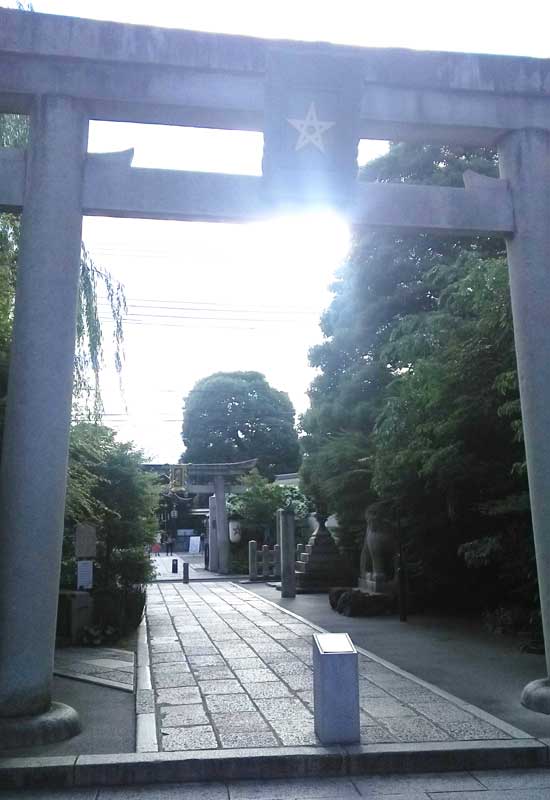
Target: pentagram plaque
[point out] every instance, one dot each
(311, 129)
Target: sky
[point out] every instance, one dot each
(207, 297)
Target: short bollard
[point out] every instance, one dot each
(186, 572)
(174, 565)
(335, 688)
(252, 560)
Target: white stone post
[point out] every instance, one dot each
(213, 556)
(524, 158)
(36, 438)
(222, 529)
(335, 689)
(286, 525)
(252, 560)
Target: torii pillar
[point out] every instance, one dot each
(524, 159)
(37, 425)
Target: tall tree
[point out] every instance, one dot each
(236, 416)
(416, 401)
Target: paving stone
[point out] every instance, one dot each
(242, 739)
(282, 635)
(200, 737)
(229, 703)
(166, 647)
(283, 708)
(476, 729)
(206, 661)
(168, 658)
(410, 729)
(289, 789)
(199, 649)
(271, 689)
(165, 791)
(170, 680)
(443, 712)
(297, 737)
(386, 707)
(176, 697)
(246, 663)
(220, 687)
(235, 651)
(513, 778)
(300, 682)
(288, 725)
(168, 668)
(424, 782)
(289, 667)
(368, 689)
(180, 716)
(280, 657)
(255, 675)
(244, 720)
(375, 734)
(214, 673)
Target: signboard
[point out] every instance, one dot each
(85, 540)
(194, 544)
(85, 575)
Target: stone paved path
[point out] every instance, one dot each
(197, 572)
(231, 670)
(103, 665)
(483, 785)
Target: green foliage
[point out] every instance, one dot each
(258, 504)
(236, 416)
(417, 398)
(107, 487)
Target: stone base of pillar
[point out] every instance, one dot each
(536, 696)
(373, 583)
(58, 723)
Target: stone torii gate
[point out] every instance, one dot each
(214, 480)
(313, 103)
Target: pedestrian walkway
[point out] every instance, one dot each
(231, 670)
(482, 785)
(197, 571)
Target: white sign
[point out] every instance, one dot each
(334, 643)
(85, 575)
(194, 544)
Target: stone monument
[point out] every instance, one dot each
(320, 565)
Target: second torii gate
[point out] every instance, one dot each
(313, 104)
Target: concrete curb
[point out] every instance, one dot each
(146, 724)
(258, 764)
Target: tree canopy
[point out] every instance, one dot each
(417, 398)
(236, 416)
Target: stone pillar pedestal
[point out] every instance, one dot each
(36, 437)
(320, 565)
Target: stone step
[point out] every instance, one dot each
(131, 769)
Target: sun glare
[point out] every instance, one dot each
(317, 238)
